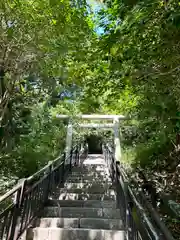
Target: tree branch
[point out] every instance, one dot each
(160, 73)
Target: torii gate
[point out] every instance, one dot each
(114, 125)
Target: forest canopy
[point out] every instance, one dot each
(104, 57)
(111, 57)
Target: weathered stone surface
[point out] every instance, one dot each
(66, 203)
(87, 223)
(83, 185)
(88, 179)
(94, 159)
(111, 213)
(72, 212)
(84, 171)
(93, 203)
(78, 212)
(74, 234)
(94, 167)
(57, 222)
(101, 204)
(90, 189)
(81, 203)
(85, 196)
(114, 235)
(90, 175)
(94, 223)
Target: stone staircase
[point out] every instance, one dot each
(83, 209)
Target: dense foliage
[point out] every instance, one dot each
(133, 69)
(37, 38)
(64, 57)
(53, 60)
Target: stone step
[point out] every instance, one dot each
(90, 172)
(87, 168)
(90, 190)
(76, 212)
(86, 179)
(88, 223)
(95, 223)
(56, 222)
(84, 196)
(88, 185)
(73, 234)
(101, 163)
(93, 163)
(94, 160)
(81, 203)
(90, 176)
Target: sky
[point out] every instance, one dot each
(96, 6)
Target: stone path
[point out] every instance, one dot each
(84, 209)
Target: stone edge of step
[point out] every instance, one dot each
(82, 203)
(73, 234)
(86, 191)
(85, 197)
(82, 223)
(78, 212)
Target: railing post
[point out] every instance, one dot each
(14, 219)
(127, 211)
(77, 156)
(63, 169)
(117, 144)
(50, 181)
(14, 229)
(69, 139)
(70, 160)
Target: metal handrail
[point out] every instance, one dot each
(151, 225)
(144, 215)
(10, 192)
(30, 196)
(46, 167)
(19, 184)
(156, 218)
(151, 210)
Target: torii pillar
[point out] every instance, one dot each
(114, 126)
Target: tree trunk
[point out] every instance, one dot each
(5, 114)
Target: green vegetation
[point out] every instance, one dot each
(53, 60)
(37, 39)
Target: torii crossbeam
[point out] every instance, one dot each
(114, 126)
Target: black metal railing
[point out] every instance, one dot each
(141, 221)
(20, 206)
(79, 155)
